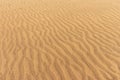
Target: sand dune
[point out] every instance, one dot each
(59, 40)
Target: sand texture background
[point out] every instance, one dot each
(59, 40)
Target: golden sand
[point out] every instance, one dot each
(59, 40)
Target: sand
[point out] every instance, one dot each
(59, 40)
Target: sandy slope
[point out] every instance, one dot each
(59, 40)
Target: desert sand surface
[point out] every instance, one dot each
(59, 40)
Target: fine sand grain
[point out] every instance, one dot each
(59, 40)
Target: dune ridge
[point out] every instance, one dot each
(59, 40)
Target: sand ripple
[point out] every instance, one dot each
(59, 40)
